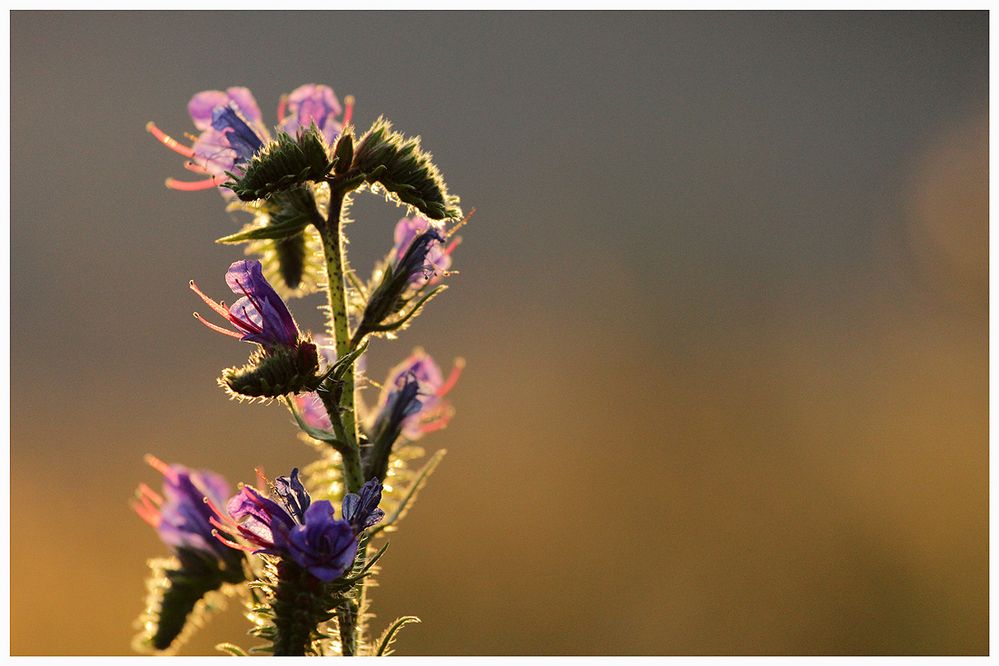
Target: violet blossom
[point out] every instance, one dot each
(437, 260)
(182, 515)
(295, 527)
(259, 315)
(412, 397)
(232, 129)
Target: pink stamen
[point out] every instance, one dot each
(453, 244)
(463, 222)
(189, 186)
(162, 468)
(231, 544)
(218, 329)
(219, 307)
(225, 518)
(348, 111)
(253, 299)
(459, 365)
(434, 426)
(149, 515)
(168, 141)
(282, 108)
(146, 491)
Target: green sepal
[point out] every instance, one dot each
(283, 164)
(275, 372)
(400, 165)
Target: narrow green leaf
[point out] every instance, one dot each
(411, 492)
(388, 638)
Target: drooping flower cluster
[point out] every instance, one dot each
(295, 527)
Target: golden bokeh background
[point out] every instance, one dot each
(724, 308)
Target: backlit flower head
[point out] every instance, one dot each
(181, 514)
(231, 129)
(295, 527)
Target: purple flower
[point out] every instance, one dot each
(323, 545)
(298, 528)
(412, 397)
(224, 140)
(260, 315)
(361, 510)
(312, 103)
(232, 129)
(438, 257)
(182, 515)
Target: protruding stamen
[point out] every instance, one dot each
(348, 109)
(218, 329)
(459, 365)
(169, 141)
(146, 491)
(460, 224)
(190, 186)
(224, 518)
(196, 168)
(282, 108)
(217, 307)
(246, 323)
(162, 468)
(231, 544)
(149, 515)
(453, 244)
(262, 482)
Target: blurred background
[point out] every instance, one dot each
(724, 308)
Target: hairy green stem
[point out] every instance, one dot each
(342, 416)
(333, 251)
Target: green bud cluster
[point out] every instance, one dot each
(275, 372)
(282, 164)
(399, 164)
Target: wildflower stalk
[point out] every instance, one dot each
(342, 415)
(336, 293)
